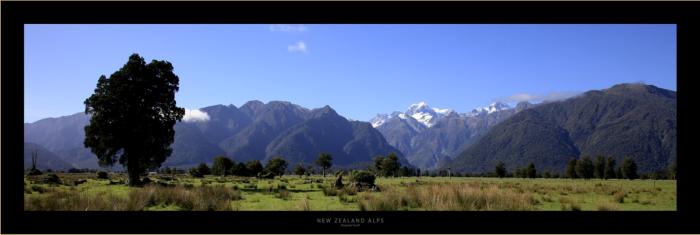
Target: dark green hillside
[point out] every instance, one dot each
(325, 131)
(626, 120)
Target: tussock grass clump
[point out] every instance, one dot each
(39, 189)
(448, 197)
(645, 202)
(283, 194)
(608, 207)
(346, 194)
(304, 204)
(619, 196)
(570, 207)
(328, 190)
(547, 198)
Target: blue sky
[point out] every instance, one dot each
(359, 70)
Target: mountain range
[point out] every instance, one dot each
(634, 120)
(430, 136)
(255, 131)
(626, 120)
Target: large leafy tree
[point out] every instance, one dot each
(629, 168)
(501, 170)
(325, 161)
(391, 165)
(254, 167)
(585, 168)
(531, 171)
(222, 166)
(609, 168)
(132, 116)
(599, 167)
(203, 169)
(571, 169)
(276, 166)
(299, 170)
(240, 170)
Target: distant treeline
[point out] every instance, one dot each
(389, 166)
(586, 168)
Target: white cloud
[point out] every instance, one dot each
(195, 115)
(288, 28)
(552, 96)
(298, 47)
(521, 97)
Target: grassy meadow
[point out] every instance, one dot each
(84, 192)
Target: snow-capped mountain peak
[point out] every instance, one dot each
(379, 120)
(420, 107)
(427, 116)
(443, 111)
(420, 112)
(423, 113)
(492, 108)
(497, 106)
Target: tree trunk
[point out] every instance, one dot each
(134, 178)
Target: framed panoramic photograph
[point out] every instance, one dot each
(283, 117)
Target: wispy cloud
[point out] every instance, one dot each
(195, 115)
(552, 96)
(298, 47)
(288, 28)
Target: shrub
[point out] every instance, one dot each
(34, 171)
(102, 175)
(51, 179)
(282, 186)
(194, 172)
(146, 180)
(79, 182)
(362, 179)
(204, 169)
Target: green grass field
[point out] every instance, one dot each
(314, 193)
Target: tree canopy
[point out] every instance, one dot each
(132, 116)
(387, 166)
(571, 169)
(222, 166)
(584, 168)
(276, 166)
(325, 161)
(501, 169)
(629, 168)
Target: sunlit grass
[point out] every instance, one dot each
(307, 193)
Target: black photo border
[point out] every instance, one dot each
(685, 15)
